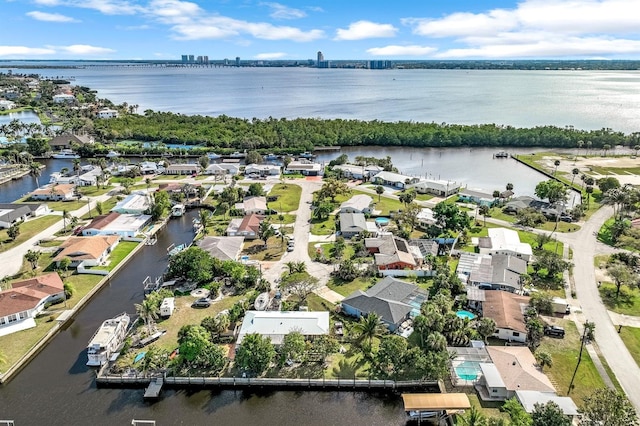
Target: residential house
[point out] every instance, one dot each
(517, 204)
(87, 251)
(61, 192)
(476, 196)
(63, 98)
(67, 140)
(11, 213)
(507, 310)
(360, 203)
(426, 247)
(262, 170)
(393, 300)
(303, 167)
(352, 171)
(188, 189)
(277, 324)
(352, 224)
(505, 241)
(530, 398)
(124, 225)
(512, 369)
(425, 218)
(246, 227)
(89, 177)
(223, 248)
(251, 205)
(394, 179)
(492, 272)
(150, 167)
(5, 105)
(438, 187)
(183, 169)
(392, 253)
(222, 169)
(11, 94)
(20, 304)
(134, 203)
(107, 113)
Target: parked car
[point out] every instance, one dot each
(554, 331)
(203, 302)
(290, 248)
(291, 238)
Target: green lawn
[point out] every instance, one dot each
(385, 205)
(628, 302)
(28, 229)
(92, 191)
(17, 344)
(423, 197)
(107, 205)
(323, 227)
(119, 253)
(288, 197)
(66, 205)
(564, 353)
(348, 287)
(631, 338)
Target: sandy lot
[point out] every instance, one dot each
(585, 166)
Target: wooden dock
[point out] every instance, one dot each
(154, 389)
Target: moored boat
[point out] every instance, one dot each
(65, 153)
(178, 210)
(107, 340)
(113, 154)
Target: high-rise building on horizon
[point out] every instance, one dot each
(237, 61)
(185, 59)
(320, 57)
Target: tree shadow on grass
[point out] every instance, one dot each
(624, 300)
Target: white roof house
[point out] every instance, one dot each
(107, 113)
(63, 97)
(222, 169)
(439, 187)
(394, 179)
(528, 399)
(4, 104)
(262, 169)
(253, 205)
(505, 241)
(360, 203)
(358, 172)
(425, 218)
(135, 203)
(277, 324)
(305, 167)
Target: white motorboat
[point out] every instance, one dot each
(113, 154)
(65, 153)
(178, 210)
(107, 340)
(213, 156)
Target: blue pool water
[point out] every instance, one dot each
(468, 370)
(382, 221)
(465, 314)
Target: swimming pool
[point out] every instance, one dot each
(468, 370)
(382, 221)
(465, 314)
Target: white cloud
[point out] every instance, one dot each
(134, 27)
(361, 30)
(22, 51)
(47, 2)
(394, 50)
(274, 55)
(174, 10)
(280, 11)
(82, 49)
(538, 28)
(50, 17)
(107, 7)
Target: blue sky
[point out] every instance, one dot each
(297, 29)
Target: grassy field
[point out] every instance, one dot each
(28, 229)
(288, 196)
(631, 338)
(323, 227)
(345, 288)
(385, 205)
(274, 251)
(17, 344)
(564, 353)
(92, 191)
(628, 302)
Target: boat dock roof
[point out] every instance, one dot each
(435, 401)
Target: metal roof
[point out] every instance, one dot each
(435, 401)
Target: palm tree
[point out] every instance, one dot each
(580, 144)
(484, 211)
(556, 163)
(574, 172)
(76, 166)
(474, 417)
(206, 220)
(589, 191)
(436, 342)
(65, 216)
(296, 267)
(509, 187)
(379, 191)
(148, 312)
(605, 148)
(544, 359)
(35, 171)
(368, 327)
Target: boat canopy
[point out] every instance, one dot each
(435, 401)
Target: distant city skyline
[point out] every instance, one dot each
(298, 30)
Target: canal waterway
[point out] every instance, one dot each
(57, 388)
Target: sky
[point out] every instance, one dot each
(298, 29)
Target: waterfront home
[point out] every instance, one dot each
(223, 248)
(352, 224)
(392, 254)
(425, 218)
(512, 369)
(87, 251)
(438, 187)
(62, 98)
(89, 177)
(304, 167)
(183, 169)
(246, 227)
(5, 105)
(277, 324)
(61, 192)
(20, 304)
(352, 171)
(394, 179)
(188, 189)
(135, 203)
(124, 225)
(150, 167)
(492, 272)
(393, 300)
(11, 93)
(262, 170)
(505, 241)
(507, 310)
(107, 113)
(67, 140)
(360, 203)
(476, 196)
(524, 202)
(222, 169)
(253, 205)
(11, 213)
